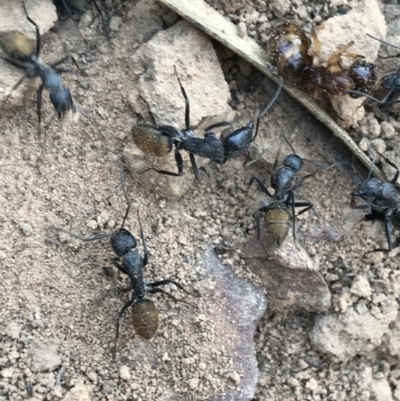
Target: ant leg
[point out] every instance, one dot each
(116, 263)
(169, 281)
(256, 215)
(307, 206)
(299, 183)
(270, 104)
(194, 166)
(120, 314)
(39, 103)
(368, 206)
(388, 237)
(13, 88)
(103, 19)
(14, 63)
(260, 184)
(187, 107)
(335, 58)
(160, 291)
(66, 71)
(69, 12)
(50, 122)
(291, 197)
(179, 163)
(63, 60)
(217, 125)
(38, 42)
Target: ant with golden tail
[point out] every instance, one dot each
(159, 140)
(144, 312)
(22, 53)
(280, 213)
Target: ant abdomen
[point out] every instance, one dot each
(364, 76)
(277, 222)
(145, 318)
(288, 47)
(17, 46)
(152, 140)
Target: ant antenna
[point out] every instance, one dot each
(371, 152)
(320, 166)
(187, 108)
(128, 201)
(63, 230)
(270, 104)
(121, 177)
(288, 143)
(385, 43)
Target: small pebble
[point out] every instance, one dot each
(115, 23)
(242, 29)
(92, 224)
(124, 373)
(26, 228)
(92, 376)
(193, 383)
(235, 377)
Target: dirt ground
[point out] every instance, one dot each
(52, 285)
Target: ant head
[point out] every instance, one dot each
(294, 162)
(122, 241)
(370, 187)
(145, 318)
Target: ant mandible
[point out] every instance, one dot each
(289, 46)
(159, 140)
(20, 52)
(144, 312)
(383, 201)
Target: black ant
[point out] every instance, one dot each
(144, 312)
(20, 52)
(280, 213)
(391, 82)
(383, 201)
(289, 46)
(159, 140)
